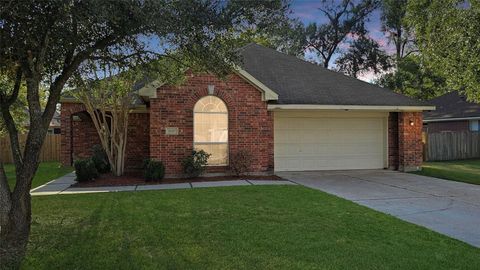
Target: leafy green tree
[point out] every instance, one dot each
(394, 25)
(364, 55)
(286, 36)
(344, 18)
(19, 108)
(448, 37)
(105, 88)
(45, 43)
(414, 79)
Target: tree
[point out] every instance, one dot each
(18, 108)
(448, 37)
(394, 25)
(364, 55)
(45, 43)
(106, 90)
(414, 79)
(286, 36)
(344, 18)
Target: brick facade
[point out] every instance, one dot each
(79, 136)
(410, 154)
(250, 125)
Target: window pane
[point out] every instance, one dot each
(219, 153)
(474, 125)
(210, 127)
(210, 104)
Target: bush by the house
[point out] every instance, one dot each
(153, 170)
(85, 170)
(194, 165)
(100, 159)
(240, 162)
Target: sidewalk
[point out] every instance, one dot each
(63, 184)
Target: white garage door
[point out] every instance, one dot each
(330, 141)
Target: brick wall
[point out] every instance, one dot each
(78, 137)
(393, 141)
(410, 141)
(250, 124)
(435, 127)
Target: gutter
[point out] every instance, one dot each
(451, 119)
(275, 107)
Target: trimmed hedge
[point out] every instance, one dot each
(85, 170)
(195, 164)
(153, 170)
(100, 159)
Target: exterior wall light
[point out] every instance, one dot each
(211, 89)
(412, 123)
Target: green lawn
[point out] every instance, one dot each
(467, 171)
(252, 227)
(46, 172)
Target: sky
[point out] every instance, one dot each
(307, 11)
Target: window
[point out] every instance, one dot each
(210, 129)
(474, 125)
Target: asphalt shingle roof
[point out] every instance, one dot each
(299, 82)
(452, 105)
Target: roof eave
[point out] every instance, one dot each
(451, 119)
(149, 90)
(272, 107)
(267, 93)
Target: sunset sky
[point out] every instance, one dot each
(307, 11)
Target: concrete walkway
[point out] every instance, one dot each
(448, 207)
(63, 185)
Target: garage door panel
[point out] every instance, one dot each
(308, 143)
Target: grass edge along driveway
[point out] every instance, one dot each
(467, 171)
(252, 227)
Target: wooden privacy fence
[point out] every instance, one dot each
(451, 145)
(50, 150)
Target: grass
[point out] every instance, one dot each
(467, 171)
(46, 172)
(253, 227)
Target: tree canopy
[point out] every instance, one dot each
(413, 78)
(448, 37)
(344, 18)
(44, 43)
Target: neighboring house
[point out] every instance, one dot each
(453, 113)
(55, 124)
(291, 115)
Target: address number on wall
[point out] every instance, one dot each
(171, 131)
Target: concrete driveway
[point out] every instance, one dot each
(448, 207)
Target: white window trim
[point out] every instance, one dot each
(227, 143)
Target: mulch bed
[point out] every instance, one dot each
(107, 180)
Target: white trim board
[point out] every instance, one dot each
(451, 119)
(272, 107)
(267, 93)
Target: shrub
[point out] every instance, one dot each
(194, 165)
(240, 162)
(100, 159)
(153, 170)
(85, 170)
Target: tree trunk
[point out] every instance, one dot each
(15, 230)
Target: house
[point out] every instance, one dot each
(55, 124)
(453, 113)
(291, 115)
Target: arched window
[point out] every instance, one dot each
(210, 129)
